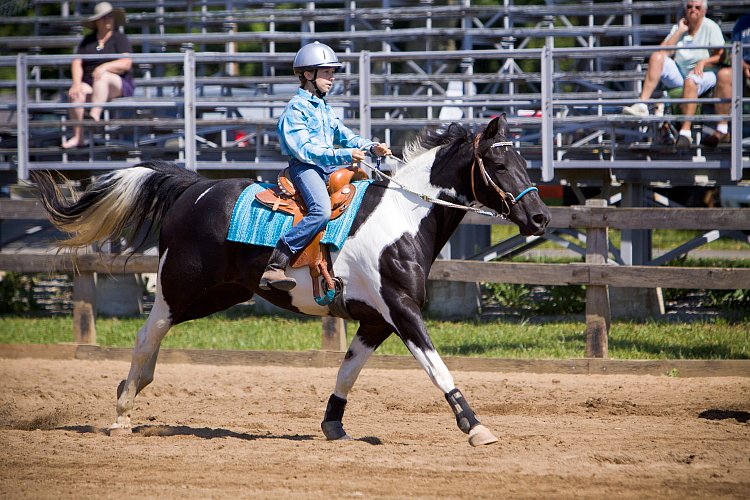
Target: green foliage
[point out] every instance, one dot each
(527, 299)
(569, 299)
(17, 294)
(729, 299)
(509, 295)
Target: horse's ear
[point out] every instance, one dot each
(498, 126)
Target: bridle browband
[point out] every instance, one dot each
(507, 198)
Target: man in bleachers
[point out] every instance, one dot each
(100, 80)
(691, 69)
(740, 33)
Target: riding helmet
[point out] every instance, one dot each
(315, 55)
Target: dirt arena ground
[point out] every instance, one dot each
(207, 431)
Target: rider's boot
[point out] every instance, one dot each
(274, 275)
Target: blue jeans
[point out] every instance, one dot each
(311, 184)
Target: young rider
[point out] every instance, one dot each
(308, 132)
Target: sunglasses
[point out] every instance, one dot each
(693, 6)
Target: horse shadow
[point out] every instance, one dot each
(184, 430)
(740, 416)
(202, 433)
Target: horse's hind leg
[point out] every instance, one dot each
(367, 339)
(143, 363)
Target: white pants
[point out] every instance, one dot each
(672, 78)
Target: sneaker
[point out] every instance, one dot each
(684, 141)
(637, 109)
(714, 139)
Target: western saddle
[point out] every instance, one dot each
(285, 198)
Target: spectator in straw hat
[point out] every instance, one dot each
(100, 80)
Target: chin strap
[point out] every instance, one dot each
(319, 93)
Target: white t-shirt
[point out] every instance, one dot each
(709, 33)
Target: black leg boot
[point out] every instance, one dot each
(274, 275)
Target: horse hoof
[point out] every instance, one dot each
(334, 431)
(481, 435)
(120, 431)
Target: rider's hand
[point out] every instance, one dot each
(381, 149)
(357, 155)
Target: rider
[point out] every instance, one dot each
(308, 130)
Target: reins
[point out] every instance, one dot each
(508, 199)
(430, 199)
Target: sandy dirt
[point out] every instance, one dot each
(253, 432)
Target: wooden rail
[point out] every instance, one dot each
(595, 273)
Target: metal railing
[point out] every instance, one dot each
(375, 102)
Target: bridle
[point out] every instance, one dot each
(507, 198)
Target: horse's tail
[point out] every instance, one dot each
(119, 201)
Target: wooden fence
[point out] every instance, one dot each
(595, 272)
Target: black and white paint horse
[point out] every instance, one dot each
(384, 264)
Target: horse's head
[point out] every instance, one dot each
(499, 180)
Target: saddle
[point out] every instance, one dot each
(285, 198)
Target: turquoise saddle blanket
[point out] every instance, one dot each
(255, 224)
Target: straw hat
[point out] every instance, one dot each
(102, 9)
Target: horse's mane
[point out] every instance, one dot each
(428, 139)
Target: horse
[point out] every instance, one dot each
(384, 264)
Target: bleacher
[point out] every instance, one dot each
(212, 77)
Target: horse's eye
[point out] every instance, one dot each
(501, 171)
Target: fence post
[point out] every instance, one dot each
(598, 315)
(334, 334)
(84, 308)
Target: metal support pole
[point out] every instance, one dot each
(189, 93)
(736, 112)
(635, 245)
(548, 169)
(22, 112)
(365, 123)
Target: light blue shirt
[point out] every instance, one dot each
(309, 132)
(686, 57)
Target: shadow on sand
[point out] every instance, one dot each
(184, 430)
(738, 415)
(202, 432)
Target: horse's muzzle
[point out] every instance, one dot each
(536, 223)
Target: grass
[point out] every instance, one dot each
(717, 339)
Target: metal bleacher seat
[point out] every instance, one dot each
(410, 81)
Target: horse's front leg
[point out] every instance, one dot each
(411, 328)
(367, 339)
(142, 364)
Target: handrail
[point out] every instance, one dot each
(547, 100)
(264, 14)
